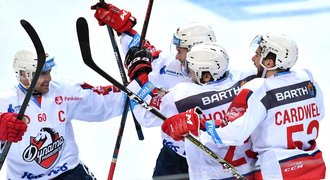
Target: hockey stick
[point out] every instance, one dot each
(145, 24)
(126, 107)
(83, 37)
(123, 77)
(41, 61)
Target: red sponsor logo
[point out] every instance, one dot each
(58, 100)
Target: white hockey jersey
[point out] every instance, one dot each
(281, 114)
(48, 148)
(214, 100)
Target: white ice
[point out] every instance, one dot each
(55, 23)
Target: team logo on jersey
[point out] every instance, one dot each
(44, 148)
(311, 89)
(58, 100)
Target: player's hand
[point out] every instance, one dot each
(11, 128)
(181, 124)
(118, 19)
(138, 62)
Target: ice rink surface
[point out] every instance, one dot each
(235, 22)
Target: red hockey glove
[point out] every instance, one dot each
(181, 124)
(118, 19)
(137, 62)
(157, 96)
(154, 52)
(11, 128)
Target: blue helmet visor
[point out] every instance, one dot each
(256, 42)
(49, 64)
(176, 41)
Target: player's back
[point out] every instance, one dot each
(294, 107)
(285, 139)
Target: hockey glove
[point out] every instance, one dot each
(138, 62)
(181, 124)
(154, 52)
(11, 128)
(157, 96)
(118, 19)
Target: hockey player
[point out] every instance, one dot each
(281, 113)
(165, 72)
(48, 149)
(213, 88)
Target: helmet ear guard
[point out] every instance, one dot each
(208, 57)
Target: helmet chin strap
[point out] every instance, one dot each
(25, 87)
(264, 71)
(265, 68)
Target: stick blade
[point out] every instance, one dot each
(83, 39)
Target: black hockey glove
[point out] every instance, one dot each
(138, 61)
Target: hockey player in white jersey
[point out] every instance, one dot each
(281, 112)
(48, 150)
(212, 88)
(165, 72)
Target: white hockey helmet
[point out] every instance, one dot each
(285, 49)
(208, 57)
(25, 61)
(193, 33)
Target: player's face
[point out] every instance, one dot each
(42, 85)
(181, 54)
(256, 60)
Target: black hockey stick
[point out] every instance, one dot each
(145, 24)
(83, 37)
(124, 79)
(41, 61)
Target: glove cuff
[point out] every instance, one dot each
(142, 78)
